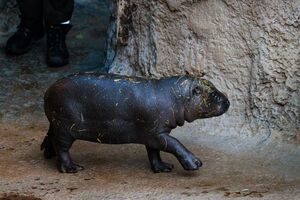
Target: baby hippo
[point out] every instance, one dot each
(115, 109)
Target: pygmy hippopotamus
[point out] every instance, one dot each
(115, 109)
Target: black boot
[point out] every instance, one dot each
(57, 52)
(21, 41)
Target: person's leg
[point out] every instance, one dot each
(31, 14)
(56, 13)
(30, 29)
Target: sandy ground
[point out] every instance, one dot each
(123, 172)
(233, 168)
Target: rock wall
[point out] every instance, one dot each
(249, 49)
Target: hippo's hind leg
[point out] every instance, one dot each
(47, 144)
(155, 161)
(63, 142)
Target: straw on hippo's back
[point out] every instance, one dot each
(116, 109)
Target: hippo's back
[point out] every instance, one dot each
(97, 97)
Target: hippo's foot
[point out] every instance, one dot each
(190, 163)
(159, 167)
(156, 163)
(70, 168)
(65, 163)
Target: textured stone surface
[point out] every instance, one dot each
(249, 49)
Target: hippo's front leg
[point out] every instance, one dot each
(167, 143)
(157, 165)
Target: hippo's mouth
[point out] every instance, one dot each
(219, 109)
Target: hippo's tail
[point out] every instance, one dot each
(47, 145)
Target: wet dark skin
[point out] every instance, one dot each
(114, 109)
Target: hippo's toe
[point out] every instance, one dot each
(191, 163)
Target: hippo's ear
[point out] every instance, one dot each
(197, 90)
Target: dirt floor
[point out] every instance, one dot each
(123, 172)
(233, 168)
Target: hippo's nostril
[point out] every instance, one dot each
(215, 97)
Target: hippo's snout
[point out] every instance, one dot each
(221, 101)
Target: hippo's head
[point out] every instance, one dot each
(204, 101)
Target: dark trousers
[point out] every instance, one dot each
(51, 12)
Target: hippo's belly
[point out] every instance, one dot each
(117, 131)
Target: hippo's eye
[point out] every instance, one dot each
(197, 90)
